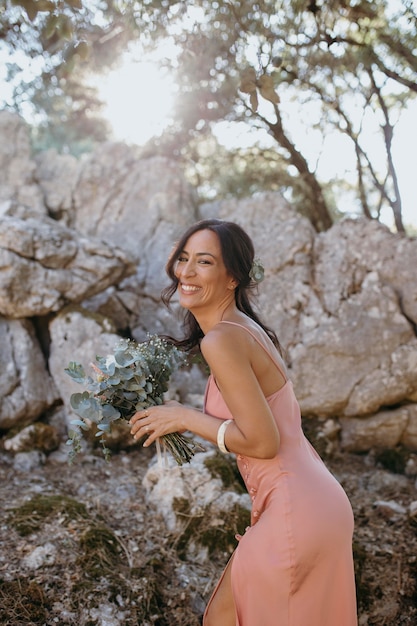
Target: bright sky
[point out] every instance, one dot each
(139, 98)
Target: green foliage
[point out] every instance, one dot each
(217, 538)
(237, 62)
(101, 552)
(225, 468)
(134, 378)
(64, 42)
(32, 514)
(351, 64)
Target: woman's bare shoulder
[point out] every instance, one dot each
(226, 338)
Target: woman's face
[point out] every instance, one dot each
(203, 280)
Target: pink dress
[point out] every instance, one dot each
(294, 565)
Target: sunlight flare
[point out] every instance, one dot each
(138, 99)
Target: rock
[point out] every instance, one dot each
(57, 176)
(409, 436)
(37, 436)
(18, 184)
(44, 265)
(26, 462)
(283, 241)
(77, 335)
(383, 430)
(358, 373)
(166, 483)
(382, 481)
(412, 510)
(26, 388)
(390, 508)
(337, 309)
(138, 205)
(41, 556)
(352, 248)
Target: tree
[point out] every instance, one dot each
(64, 42)
(349, 64)
(353, 60)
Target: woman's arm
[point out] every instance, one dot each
(254, 431)
(230, 355)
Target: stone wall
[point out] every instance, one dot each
(83, 244)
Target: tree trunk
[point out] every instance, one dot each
(316, 209)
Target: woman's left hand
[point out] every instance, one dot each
(156, 421)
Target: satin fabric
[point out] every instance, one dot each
(294, 565)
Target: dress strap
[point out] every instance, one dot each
(275, 359)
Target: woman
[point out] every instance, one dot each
(293, 566)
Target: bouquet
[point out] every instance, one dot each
(135, 377)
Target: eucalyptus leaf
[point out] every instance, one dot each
(127, 373)
(104, 427)
(114, 380)
(124, 358)
(80, 423)
(76, 371)
(77, 398)
(86, 406)
(133, 378)
(109, 412)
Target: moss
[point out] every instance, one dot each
(105, 322)
(36, 436)
(393, 460)
(101, 551)
(30, 516)
(363, 591)
(216, 537)
(225, 468)
(151, 583)
(22, 601)
(312, 428)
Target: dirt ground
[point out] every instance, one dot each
(79, 545)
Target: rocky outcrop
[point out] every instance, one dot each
(45, 265)
(86, 259)
(27, 390)
(18, 185)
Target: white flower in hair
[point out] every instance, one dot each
(257, 272)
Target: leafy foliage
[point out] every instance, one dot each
(134, 378)
(64, 42)
(352, 63)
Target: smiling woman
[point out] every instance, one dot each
(138, 99)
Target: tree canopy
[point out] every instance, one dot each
(288, 69)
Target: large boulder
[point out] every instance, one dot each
(18, 184)
(44, 265)
(77, 335)
(139, 205)
(26, 388)
(57, 176)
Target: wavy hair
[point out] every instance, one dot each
(238, 254)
